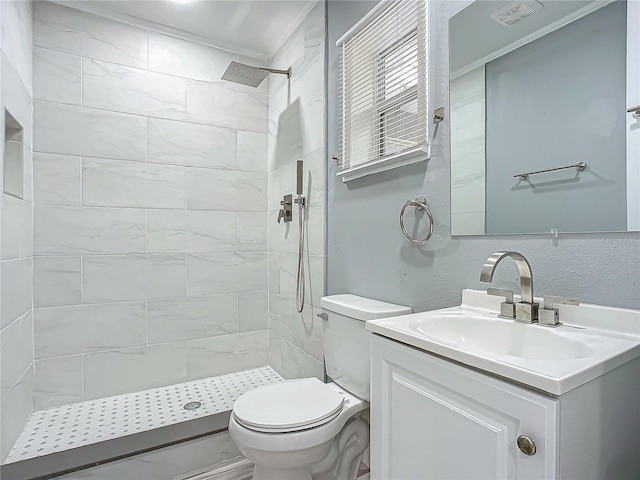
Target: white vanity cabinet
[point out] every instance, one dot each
(436, 419)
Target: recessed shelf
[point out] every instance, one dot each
(13, 161)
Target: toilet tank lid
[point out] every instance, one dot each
(362, 308)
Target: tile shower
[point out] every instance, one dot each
(154, 256)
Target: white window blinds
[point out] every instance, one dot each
(383, 92)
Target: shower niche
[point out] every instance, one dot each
(13, 161)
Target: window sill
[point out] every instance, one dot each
(416, 155)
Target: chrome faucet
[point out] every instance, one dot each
(526, 310)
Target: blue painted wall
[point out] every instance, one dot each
(367, 254)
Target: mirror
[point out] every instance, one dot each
(541, 140)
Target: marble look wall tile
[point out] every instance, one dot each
(253, 232)
(468, 223)
(284, 181)
(57, 381)
(134, 369)
(180, 319)
(16, 354)
(468, 88)
(287, 138)
(253, 311)
(72, 31)
(13, 168)
(303, 330)
(16, 98)
(283, 271)
(305, 86)
(27, 187)
(17, 289)
(314, 176)
(168, 463)
(315, 229)
(131, 90)
(470, 122)
(56, 76)
(286, 240)
(468, 158)
(224, 106)
(16, 235)
(73, 130)
(82, 230)
(133, 277)
(113, 183)
(291, 362)
(17, 32)
(60, 331)
(57, 179)
(15, 410)
(187, 59)
(210, 274)
(467, 194)
(313, 127)
(252, 151)
(182, 143)
(56, 281)
(224, 190)
(228, 353)
(191, 231)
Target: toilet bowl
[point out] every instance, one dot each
(305, 429)
(292, 430)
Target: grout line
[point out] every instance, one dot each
(82, 81)
(146, 320)
(186, 275)
(82, 374)
(171, 119)
(82, 280)
(146, 231)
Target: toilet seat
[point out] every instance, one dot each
(288, 406)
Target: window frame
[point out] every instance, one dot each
(421, 152)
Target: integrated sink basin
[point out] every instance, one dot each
(591, 341)
(484, 333)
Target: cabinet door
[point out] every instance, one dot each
(433, 419)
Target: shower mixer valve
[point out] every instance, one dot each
(286, 211)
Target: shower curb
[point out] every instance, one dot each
(68, 461)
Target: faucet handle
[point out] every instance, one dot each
(551, 301)
(550, 315)
(507, 308)
(500, 292)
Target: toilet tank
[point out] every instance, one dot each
(346, 342)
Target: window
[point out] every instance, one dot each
(384, 90)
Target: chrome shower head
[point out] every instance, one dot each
(248, 75)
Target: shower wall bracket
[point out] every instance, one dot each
(286, 212)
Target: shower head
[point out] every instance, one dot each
(248, 75)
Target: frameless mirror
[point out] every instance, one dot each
(545, 135)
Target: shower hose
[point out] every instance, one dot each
(300, 283)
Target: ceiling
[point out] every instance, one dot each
(251, 27)
(474, 35)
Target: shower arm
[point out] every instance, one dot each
(274, 70)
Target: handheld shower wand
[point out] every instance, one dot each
(301, 201)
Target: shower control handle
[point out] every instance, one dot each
(286, 212)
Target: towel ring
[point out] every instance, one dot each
(419, 202)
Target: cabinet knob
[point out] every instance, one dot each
(526, 445)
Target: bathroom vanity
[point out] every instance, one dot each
(459, 393)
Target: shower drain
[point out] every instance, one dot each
(192, 405)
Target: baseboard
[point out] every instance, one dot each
(238, 468)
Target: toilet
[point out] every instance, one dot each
(306, 429)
